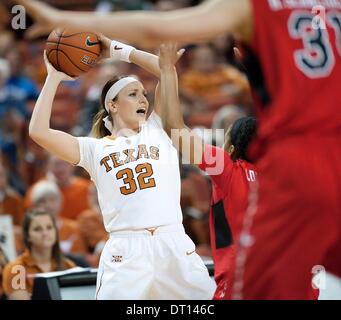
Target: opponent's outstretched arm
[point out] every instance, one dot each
(205, 21)
(189, 144)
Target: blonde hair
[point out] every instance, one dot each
(98, 129)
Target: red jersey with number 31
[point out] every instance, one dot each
(298, 47)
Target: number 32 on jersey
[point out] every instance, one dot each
(140, 177)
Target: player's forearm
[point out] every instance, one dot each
(128, 26)
(146, 61)
(40, 120)
(202, 22)
(172, 117)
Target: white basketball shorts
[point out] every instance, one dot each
(158, 263)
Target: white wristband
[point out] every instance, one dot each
(120, 51)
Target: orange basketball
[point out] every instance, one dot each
(73, 52)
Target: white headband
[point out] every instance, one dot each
(116, 88)
(111, 94)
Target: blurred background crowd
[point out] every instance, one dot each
(214, 93)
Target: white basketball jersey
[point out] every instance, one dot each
(137, 177)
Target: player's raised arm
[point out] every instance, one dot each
(205, 21)
(143, 59)
(57, 142)
(187, 142)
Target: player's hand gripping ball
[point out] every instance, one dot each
(73, 52)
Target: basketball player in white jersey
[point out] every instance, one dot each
(135, 169)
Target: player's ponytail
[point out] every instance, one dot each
(98, 128)
(241, 135)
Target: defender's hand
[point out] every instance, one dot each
(169, 54)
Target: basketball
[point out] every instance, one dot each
(73, 52)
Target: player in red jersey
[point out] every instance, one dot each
(230, 190)
(229, 168)
(294, 221)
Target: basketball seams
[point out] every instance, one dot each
(71, 60)
(58, 51)
(70, 45)
(72, 55)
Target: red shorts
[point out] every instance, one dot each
(293, 224)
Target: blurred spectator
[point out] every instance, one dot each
(72, 188)
(3, 262)
(12, 124)
(12, 142)
(195, 204)
(4, 17)
(4, 72)
(224, 47)
(35, 163)
(34, 66)
(6, 42)
(92, 229)
(215, 84)
(42, 254)
(11, 202)
(21, 88)
(47, 197)
(105, 5)
(224, 118)
(210, 85)
(167, 5)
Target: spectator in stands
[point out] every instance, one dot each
(12, 124)
(3, 262)
(42, 254)
(47, 197)
(4, 17)
(6, 42)
(224, 118)
(21, 88)
(92, 229)
(166, 5)
(213, 83)
(195, 205)
(4, 93)
(118, 5)
(4, 72)
(35, 165)
(70, 186)
(10, 201)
